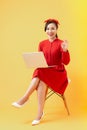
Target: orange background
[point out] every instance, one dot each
(21, 29)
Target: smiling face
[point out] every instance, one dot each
(51, 31)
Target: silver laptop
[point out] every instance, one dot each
(34, 59)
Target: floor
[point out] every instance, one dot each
(55, 116)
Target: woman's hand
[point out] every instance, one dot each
(64, 45)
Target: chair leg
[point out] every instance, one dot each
(50, 93)
(64, 99)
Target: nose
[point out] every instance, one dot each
(50, 30)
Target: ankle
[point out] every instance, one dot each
(39, 116)
(22, 101)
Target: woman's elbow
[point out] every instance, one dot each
(66, 62)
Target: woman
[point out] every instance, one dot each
(57, 55)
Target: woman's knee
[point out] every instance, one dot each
(42, 85)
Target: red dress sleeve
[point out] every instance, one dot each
(39, 47)
(65, 57)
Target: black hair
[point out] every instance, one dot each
(47, 23)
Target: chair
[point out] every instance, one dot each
(51, 92)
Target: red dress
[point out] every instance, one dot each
(55, 77)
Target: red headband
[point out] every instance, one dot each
(53, 20)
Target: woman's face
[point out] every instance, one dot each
(51, 31)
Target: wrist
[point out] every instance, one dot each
(65, 50)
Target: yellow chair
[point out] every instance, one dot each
(51, 92)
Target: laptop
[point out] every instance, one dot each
(34, 59)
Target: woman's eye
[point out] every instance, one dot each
(50, 28)
(47, 28)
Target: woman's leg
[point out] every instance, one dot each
(33, 85)
(41, 94)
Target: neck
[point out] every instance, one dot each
(52, 39)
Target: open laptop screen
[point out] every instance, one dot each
(34, 59)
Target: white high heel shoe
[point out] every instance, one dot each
(36, 122)
(15, 104)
